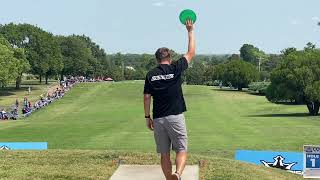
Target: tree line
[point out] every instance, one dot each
(292, 76)
(25, 48)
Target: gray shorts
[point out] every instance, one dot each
(170, 131)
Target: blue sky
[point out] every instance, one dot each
(141, 26)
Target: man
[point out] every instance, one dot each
(163, 83)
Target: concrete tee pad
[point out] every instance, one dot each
(151, 172)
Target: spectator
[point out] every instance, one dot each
(14, 113)
(17, 103)
(4, 115)
(25, 102)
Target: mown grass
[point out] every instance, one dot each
(109, 116)
(98, 164)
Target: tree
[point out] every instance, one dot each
(10, 64)
(268, 65)
(234, 57)
(99, 54)
(296, 79)
(310, 47)
(288, 51)
(129, 74)
(237, 72)
(44, 54)
(53, 57)
(140, 74)
(42, 50)
(195, 73)
(22, 66)
(16, 39)
(77, 56)
(252, 54)
(119, 62)
(209, 73)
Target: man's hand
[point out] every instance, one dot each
(149, 123)
(189, 25)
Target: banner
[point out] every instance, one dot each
(23, 145)
(289, 161)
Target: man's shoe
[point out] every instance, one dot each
(176, 176)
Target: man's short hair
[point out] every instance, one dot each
(162, 53)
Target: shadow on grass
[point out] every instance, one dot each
(289, 103)
(6, 93)
(34, 84)
(255, 93)
(9, 91)
(282, 115)
(226, 90)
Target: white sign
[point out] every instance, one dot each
(311, 158)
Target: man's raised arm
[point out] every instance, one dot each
(192, 44)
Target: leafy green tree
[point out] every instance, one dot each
(148, 61)
(42, 51)
(120, 63)
(234, 57)
(129, 74)
(259, 87)
(237, 72)
(296, 79)
(77, 56)
(196, 73)
(140, 74)
(209, 73)
(9, 64)
(252, 54)
(116, 73)
(268, 65)
(99, 54)
(22, 65)
(44, 54)
(310, 47)
(17, 39)
(288, 51)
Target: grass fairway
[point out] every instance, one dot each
(82, 164)
(109, 116)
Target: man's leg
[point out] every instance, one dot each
(166, 165)
(181, 158)
(163, 146)
(178, 134)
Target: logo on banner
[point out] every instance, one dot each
(280, 164)
(4, 147)
(308, 149)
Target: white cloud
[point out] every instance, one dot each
(315, 18)
(158, 4)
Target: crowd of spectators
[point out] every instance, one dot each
(44, 100)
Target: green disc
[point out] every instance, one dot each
(187, 14)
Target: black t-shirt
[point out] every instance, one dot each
(164, 84)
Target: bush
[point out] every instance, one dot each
(216, 83)
(237, 72)
(208, 83)
(259, 87)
